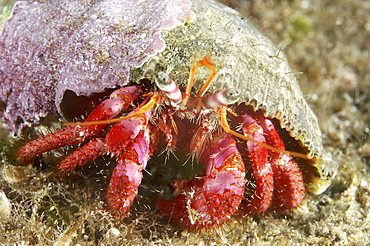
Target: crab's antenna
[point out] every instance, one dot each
(146, 107)
(225, 125)
(208, 62)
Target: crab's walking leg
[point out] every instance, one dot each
(89, 151)
(209, 201)
(127, 175)
(132, 141)
(287, 177)
(222, 112)
(261, 167)
(108, 109)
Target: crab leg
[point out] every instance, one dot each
(209, 201)
(261, 167)
(222, 111)
(132, 141)
(108, 109)
(287, 176)
(168, 126)
(89, 151)
(127, 175)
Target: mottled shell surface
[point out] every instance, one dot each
(244, 57)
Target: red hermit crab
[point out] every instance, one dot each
(204, 201)
(245, 113)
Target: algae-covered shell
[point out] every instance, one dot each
(248, 60)
(244, 57)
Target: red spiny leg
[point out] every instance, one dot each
(127, 175)
(133, 143)
(125, 131)
(108, 109)
(288, 178)
(261, 167)
(209, 201)
(89, 151)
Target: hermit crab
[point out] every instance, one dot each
(194, 72)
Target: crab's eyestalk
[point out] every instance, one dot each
(166, 84)
(224, 98)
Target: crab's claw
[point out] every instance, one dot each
(278, 180)
(261, 167)
(208, 201)
(131, 140)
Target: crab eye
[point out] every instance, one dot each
(231, 96)
(221, 98)
(162, 80)
(166, 84)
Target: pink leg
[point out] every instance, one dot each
(125, 131)
(288, 178)
(108, 109)
(209, 201)
(127, 174)
(133, 142)
(261, 167)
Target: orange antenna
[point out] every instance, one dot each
(148, 106)
(225, 125)
(208, 62)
